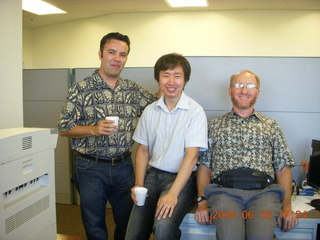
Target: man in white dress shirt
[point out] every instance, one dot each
(170, 134)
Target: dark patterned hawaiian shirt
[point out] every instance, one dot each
(256, 142)
(91, 100)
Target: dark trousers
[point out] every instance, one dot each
(143, 221)
(99, 182)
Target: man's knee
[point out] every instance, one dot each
(258, 228)
(222, 202)
(166, 229)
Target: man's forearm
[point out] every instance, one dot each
(141, 164)
(284, 179)
(203, 179)
(287, 220)
(79, 132)
(185, 170)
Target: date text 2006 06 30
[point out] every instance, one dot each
(251, 214)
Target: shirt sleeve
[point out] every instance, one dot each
(71, 112)
(282, 155)
(197, 132)
(140, 135)
(144, 98)
(206, 156)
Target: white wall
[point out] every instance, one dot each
(211, 33)
(27, 47)
(11, 110)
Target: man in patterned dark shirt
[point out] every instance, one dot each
(103, 169)
(247, 141)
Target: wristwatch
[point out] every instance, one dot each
(201, 198)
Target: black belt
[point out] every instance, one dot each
(113, 160)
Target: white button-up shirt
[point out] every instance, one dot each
(167, 134)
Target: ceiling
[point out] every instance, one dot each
(80, 9)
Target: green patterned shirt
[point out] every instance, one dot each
(256, 142)
(91, 100)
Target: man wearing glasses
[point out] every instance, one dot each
(244, 179)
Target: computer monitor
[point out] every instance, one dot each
(315, 147)
(313, 176)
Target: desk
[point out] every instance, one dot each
(305, 230)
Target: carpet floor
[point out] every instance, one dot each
(69, 221)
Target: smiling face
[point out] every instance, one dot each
(244, 98)
(171, 82)
(113, 58)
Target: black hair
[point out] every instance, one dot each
(114, 35)
(170, 61)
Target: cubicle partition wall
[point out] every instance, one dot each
(289, 94)
(44, 93)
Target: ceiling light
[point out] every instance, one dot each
(39, 7)
(187, 3)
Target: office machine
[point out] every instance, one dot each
(27, 184)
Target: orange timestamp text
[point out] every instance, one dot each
(251, 214)
(298, 213)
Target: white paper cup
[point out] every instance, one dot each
(113, 118)
(141, 194)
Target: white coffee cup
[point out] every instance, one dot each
(141, 194)
(113, 118)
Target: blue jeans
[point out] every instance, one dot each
(142, 219)
(99, 182)
(244, 214)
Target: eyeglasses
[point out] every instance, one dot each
(241, 85)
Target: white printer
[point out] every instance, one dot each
(27, 184)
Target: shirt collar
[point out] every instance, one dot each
(121, 84)
(253, 115)
(183, 103)
(98, 81)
